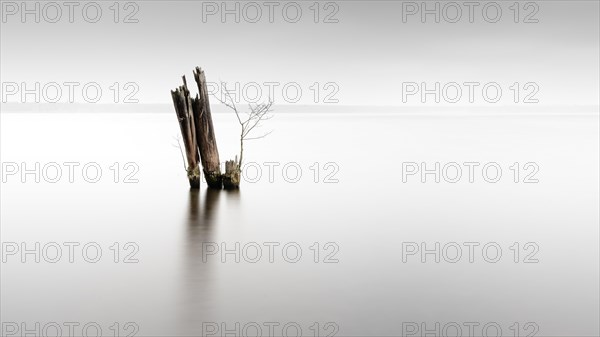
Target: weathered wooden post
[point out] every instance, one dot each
(195, 121)
(184, 109)
(231, 178)
(205, 133)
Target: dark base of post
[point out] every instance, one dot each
(194, 177)
(213, 179)
(194, 184)
(231, 178)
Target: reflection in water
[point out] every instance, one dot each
(210, 206)
(233, 198)
(371, 291)
(201, 222)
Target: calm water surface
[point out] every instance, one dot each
(353, 204)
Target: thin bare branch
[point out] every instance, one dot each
(178, 140)
(259, 137)
(256, 114)
(229, 105)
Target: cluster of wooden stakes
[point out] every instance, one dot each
(198, 134)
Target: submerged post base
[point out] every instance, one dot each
(231, 178)
(194, 177)
(213, 179)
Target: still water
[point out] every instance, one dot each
(324, 236)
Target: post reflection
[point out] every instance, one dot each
(202, 216)
(201, 224)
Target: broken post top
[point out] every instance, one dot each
(197, 73)
(197, 129)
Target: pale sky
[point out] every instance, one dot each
(365, 57)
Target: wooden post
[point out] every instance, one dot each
(231, 178)
(207, 143)
(184, 109)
